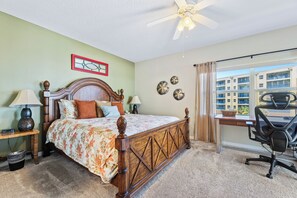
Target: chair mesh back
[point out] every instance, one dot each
(271, 128)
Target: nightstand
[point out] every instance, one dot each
(34, 141)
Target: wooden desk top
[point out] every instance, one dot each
(243, 118)
(234, 121)
(18, 134)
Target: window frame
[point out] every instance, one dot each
(253, 91)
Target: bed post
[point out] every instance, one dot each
(122, 145)
(45, 94)
(187, 128)
(122, 94)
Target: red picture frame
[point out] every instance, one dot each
(83, 64)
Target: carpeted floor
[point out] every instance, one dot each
(198, 172)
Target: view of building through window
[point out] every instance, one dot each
(240, 90)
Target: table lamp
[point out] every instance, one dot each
(26, 98)
(135, 101)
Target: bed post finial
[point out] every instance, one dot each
(122, 145)
(122, 124)
(187, 112)
(46, 85)
(122, 94)
(188, 128)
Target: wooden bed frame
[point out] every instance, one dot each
(141, 156)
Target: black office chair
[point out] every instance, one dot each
(278, 135)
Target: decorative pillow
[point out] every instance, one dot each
(110, 111)
(120, 107)
(86, 109)
(67, 109)
(99, 110)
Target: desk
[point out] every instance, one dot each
(232, 121)
(34, 141)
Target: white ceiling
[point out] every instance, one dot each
(119, 26)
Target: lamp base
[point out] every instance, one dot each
(26, 123)
(135, 111)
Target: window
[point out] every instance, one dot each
(249, 84)
(228, 81)
(221, 96)
(278, 84)
(220, 83)
(278, 75)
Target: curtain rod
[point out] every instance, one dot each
(252, 55)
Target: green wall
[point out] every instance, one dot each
(30, 54)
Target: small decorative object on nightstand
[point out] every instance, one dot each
(135, 101)
(26, 98)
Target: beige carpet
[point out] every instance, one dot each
(198, 172)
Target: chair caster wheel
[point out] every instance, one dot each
(247, 162)
(269, 176)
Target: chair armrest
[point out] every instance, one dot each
(250, 125)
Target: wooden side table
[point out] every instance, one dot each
(34, 141)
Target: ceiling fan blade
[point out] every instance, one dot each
(177, 34)
(181, 3)
(205, 21)
(162, 20)
(178, 30)
(204, 4)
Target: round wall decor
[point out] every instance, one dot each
(178, 94)
(174, 80)
(162, 87)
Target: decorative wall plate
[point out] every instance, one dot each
(178, 94)
(174, 80)
(162, 87)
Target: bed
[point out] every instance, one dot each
(141, 155)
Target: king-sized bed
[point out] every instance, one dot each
(126, 151)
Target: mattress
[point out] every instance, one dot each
(91, 142)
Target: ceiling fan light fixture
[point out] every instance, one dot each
(191, 25)
(181, 25)
(187, 21)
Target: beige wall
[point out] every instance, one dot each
(30, 54)
(149, 73)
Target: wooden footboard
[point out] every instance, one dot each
(143, 155)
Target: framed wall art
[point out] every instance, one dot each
(84, 64)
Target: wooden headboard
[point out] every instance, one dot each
(81, 89)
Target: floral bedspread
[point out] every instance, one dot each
(91, 142)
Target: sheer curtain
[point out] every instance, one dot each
(204, 102)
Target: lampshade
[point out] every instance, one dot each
(135, 100)
(25, 97)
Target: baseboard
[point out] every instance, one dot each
(244, 147)
(28, 157)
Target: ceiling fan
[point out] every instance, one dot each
(187, 13)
